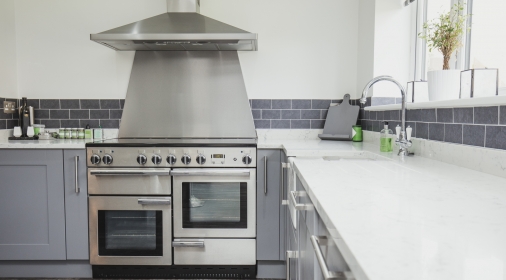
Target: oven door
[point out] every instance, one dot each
(214, 203)
(130, 230)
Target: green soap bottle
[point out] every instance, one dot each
(386, 139)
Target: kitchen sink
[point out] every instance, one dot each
(362, 156)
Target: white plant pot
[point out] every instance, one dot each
(444, 84)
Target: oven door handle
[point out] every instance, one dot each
(188, 243)
(131, 172)
(154, 201)
(210, 172)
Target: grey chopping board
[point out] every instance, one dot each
(340, 121)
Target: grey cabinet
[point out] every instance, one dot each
(76, 204)
(268, 204)
(32, 210)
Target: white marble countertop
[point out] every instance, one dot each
(44, 144)
(412, 218)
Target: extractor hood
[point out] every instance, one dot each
(178, 30)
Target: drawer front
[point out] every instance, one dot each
(216, 252)
(333, 257)
(129, 181)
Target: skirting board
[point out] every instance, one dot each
(45, 269)
(271, 269)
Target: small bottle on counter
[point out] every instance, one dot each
(68, 133)
(74, 133)
(80, 133)
(61, 133)
(88, 132)
(386, 139)
(97, 133)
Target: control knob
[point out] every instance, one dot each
(171, 159)
(107, 159)
(201, 159)
(246, 159)
(95, 159)
(156, 159)
(186, 159)
(142, 159)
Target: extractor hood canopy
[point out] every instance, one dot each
(178, 30)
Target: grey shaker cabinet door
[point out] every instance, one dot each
(268, 201)
(76, 205)
(32, 210)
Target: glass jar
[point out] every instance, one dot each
(80, 133)
(68, 133)
(61, 133)
(73, 133)
(38, 129)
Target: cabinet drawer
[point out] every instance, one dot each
(215, 252)
(130, 181)
(331, 254)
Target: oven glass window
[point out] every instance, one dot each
(214, 205)
(130, 233)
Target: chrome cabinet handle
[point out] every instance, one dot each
(210, 172)
(283, 165)
(316, 241)
(154, 201)
(265, 174)
(298, 206)
(187, 243)
(131, 172)
(76, 159)
(289, 255)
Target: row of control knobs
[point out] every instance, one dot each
(157, 159)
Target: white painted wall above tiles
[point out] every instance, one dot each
(8, 85)
(307, 49)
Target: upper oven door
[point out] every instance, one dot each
(129, 181)
(214, 203)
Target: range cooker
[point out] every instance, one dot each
(172, 208)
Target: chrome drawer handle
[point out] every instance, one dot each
(283, 166)
(210, 172)
(298, 206)
(316, 241)
(193, 243)
(131, 172)
(154, 201)
(290, 255)
(77, 189)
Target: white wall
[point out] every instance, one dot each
(8, 82)
(307, 49)
(365, 61)
(56, 58)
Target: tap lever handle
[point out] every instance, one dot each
(408, 133)
(398, 132)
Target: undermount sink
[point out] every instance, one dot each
(362, 156)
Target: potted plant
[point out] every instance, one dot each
(445, 35)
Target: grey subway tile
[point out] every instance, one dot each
(40, 114)
(109, 123)
(262, 124)
(90, 103)
(290, 114)
(58, 114)
(473, 135)
(91, 123)
(372, 115)
(109, 104)
(364, 124)
(310, 114)
(79, 114)
(453, 133)
(495, 137)
(257, 114)
(486, 115)
(12, 123)
(317, 124)
(380, 116)
(436, 131)
(376, 126)
(366, 114)
(99, 114)
(324, 114)
(300, 124)
(50, 103)
(463, 115)
(70, 104)
(5, 116)
(271, 114)
(3, 124)
(281, 104)
(502, 117)
(422, 130)
(412, 115)
(386, 115)
(395, 115)
(51, 123)
(122, 103)
(301, 103)
(115, 114)
(261, 104)
(277, 124)
(445, 115)
(35, 103)
(320, 103)
(427, 115)
(70, 123)
(361, 114)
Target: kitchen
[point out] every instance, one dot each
(291, 206)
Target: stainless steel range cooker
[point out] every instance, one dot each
(172, 207)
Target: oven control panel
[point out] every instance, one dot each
(171, 157)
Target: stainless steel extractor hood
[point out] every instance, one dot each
(197, 94)
(178, 30)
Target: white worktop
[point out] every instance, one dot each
(44, 144)
(411, 218)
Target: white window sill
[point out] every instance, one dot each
(472, 102)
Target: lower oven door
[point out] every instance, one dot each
(214, 251)
(130, 230)
(217, 203)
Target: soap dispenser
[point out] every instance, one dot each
(386, 139)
